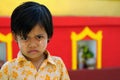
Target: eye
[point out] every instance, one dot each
(39, 37)
(24, 38)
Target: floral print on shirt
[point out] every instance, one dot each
(52, 68)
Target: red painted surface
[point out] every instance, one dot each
(60, 44)
(103, 74)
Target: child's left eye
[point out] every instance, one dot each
(39, 37)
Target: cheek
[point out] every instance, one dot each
(21, 45)
(43, 44)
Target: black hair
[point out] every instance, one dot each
(29, 14)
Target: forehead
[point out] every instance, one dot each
(37, 29)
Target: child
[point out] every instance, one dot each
(32, 28)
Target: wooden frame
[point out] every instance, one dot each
(8, 40)
(95, 36)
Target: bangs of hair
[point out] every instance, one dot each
(24, 18)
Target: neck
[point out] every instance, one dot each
(37, 61)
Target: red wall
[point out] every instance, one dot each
(103, 74)
(60, 44)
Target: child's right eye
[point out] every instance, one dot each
(24, 38)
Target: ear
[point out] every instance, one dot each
(14, 37)
(48, 40)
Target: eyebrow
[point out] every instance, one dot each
(37, 35)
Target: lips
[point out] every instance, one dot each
(33, 51)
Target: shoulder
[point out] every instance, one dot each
(57, 60)
(11, 61)
(8, 64)
(59, 63)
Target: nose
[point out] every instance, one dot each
(32, 43)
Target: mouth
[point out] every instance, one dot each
(33, 51)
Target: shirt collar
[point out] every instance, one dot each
(49, 57)
(21, 58)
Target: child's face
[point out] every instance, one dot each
(35, 43)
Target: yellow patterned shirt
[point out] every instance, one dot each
(52, 68)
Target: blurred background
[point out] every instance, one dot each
(86, 36)
(69, 7)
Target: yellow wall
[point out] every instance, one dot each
(69, 7)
